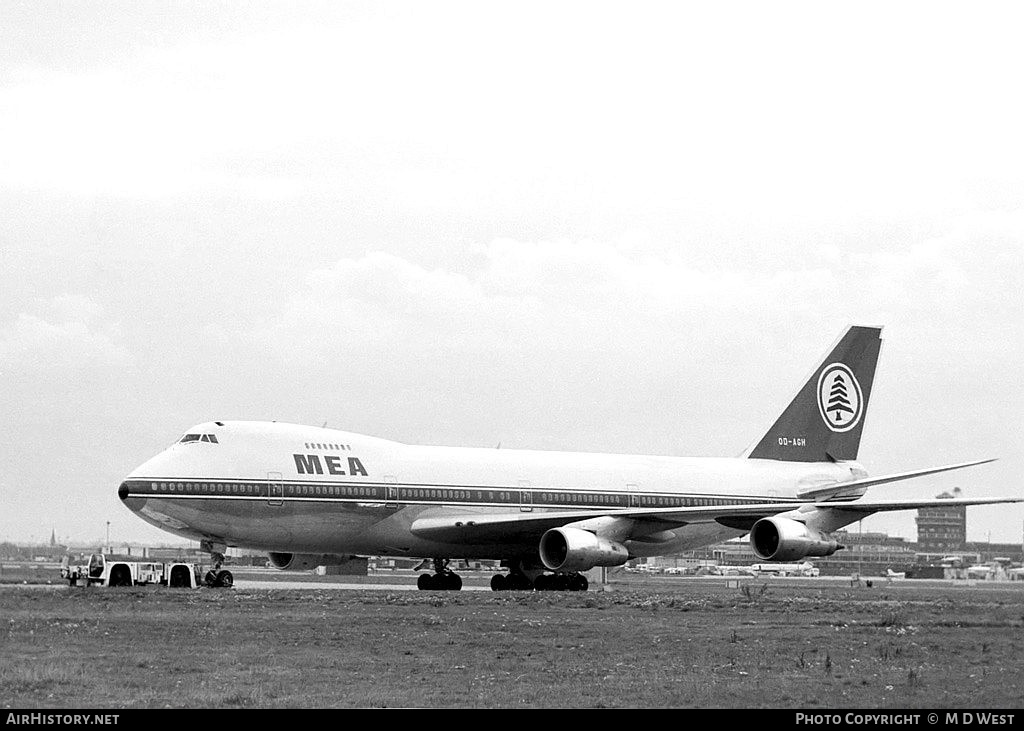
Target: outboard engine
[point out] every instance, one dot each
(783, 539)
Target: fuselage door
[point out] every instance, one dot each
(634, 497)
(390, 491)
(525, 496)
(275, 489)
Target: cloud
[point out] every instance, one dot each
(557, 294)
(548, 296)
(533, 319)
(70, 337)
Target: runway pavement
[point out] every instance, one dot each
(350, 586)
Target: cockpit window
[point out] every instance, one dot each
(199, 438)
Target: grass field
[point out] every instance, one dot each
(683, 644)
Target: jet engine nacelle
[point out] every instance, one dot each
(782, 539)
(305, 561)
(572, 549)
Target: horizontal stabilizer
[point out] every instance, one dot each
(881, 506)
(821, 492)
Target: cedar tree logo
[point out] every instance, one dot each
(839, 398)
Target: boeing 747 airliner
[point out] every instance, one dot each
(312, 496)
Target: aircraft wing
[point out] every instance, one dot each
(485, 528)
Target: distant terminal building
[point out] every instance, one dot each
(734, 552)
(870, 554)
(864, 553)
(998, 552)
(941, 529)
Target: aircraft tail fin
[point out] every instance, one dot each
(825, 419)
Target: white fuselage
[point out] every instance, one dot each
(290, 488)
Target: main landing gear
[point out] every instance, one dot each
(561, 582)
(526, 575)
(217, 577)
(443, 578)
(521, 576)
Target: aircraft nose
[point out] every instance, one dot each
(122, 492)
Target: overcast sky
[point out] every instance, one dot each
(578, 226)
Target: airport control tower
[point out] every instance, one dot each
(942, 529)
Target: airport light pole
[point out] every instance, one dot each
(108, 537)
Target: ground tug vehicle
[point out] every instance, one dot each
(105, 570)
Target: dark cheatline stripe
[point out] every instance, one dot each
(417, 494)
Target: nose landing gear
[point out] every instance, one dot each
(217, 577)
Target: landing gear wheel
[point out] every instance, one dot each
(554, 582)
(215, 577)
(522, 573)
(519, 582)
(442, 579)
(446, 581)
